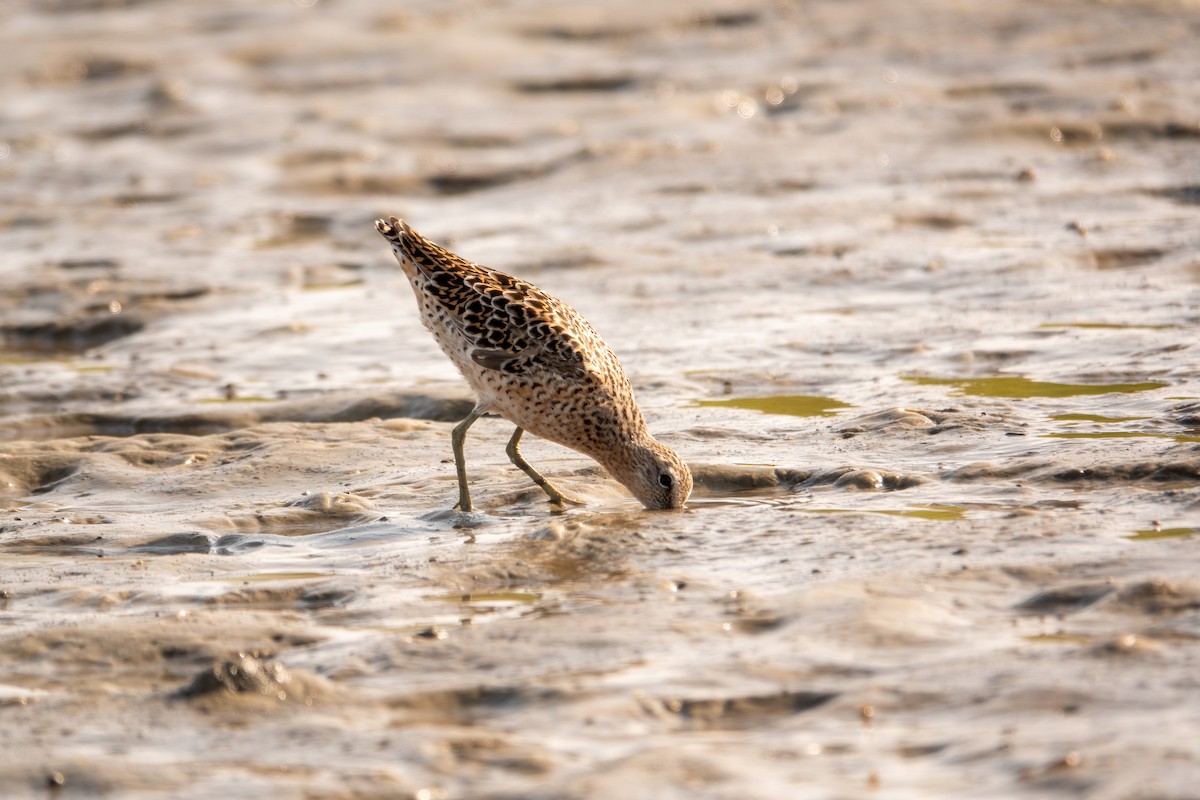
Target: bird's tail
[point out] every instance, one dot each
(413, 251)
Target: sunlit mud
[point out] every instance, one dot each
(915, 291)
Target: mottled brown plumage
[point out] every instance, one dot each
(538, 363)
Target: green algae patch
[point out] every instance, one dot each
(794, 405)
(1018, 387)
(930, 512)
(22, 359)
(1164, 533)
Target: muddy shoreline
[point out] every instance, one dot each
(916, 294)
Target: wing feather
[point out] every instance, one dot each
(512, 326)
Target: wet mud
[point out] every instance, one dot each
(914, 292)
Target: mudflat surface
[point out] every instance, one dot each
(916, 291)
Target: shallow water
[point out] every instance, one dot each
(915, 294)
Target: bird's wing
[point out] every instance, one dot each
(514, 327)
(517, 328)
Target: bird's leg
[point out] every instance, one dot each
(460, 460)
(514, 455)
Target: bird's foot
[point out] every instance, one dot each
(560, 499)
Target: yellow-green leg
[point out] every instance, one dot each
(514, 455)
(460, 460)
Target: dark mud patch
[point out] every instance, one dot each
(1080, 133)
(576, 83)
(492, 752)
(140, 653)
(1182, 471)
(452, 179)
(314, 156)
(64, 545)
(253, 682)
(86, 67)
(352, 180)
(732, 18)
(1159, 596)
(318, 512)
(77, 776)
(35, 474)
(931, 422)
(42, 467)
(235, 415)
(1067, 599)
(74, 305)
(1159, 472)
(292, 229)
(465, 178)
(599, 548)
(1186, 414)
(734, 713)
(972, 91)
(178, 544)
(465, 705)
(74, 334)
(1187, 195)
(582, 33)
(946, 221)
(860, 479)
(720, 479)
(835, 251)
(1123, 257)
(475, 180)
(1152, 129)
(724, 479)
(107, 264)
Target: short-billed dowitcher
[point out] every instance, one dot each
(538, 363)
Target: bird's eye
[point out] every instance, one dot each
(666, 481)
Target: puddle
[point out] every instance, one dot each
(930, 512)
(1164, 533)
(1018, 387)
(800, 405)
